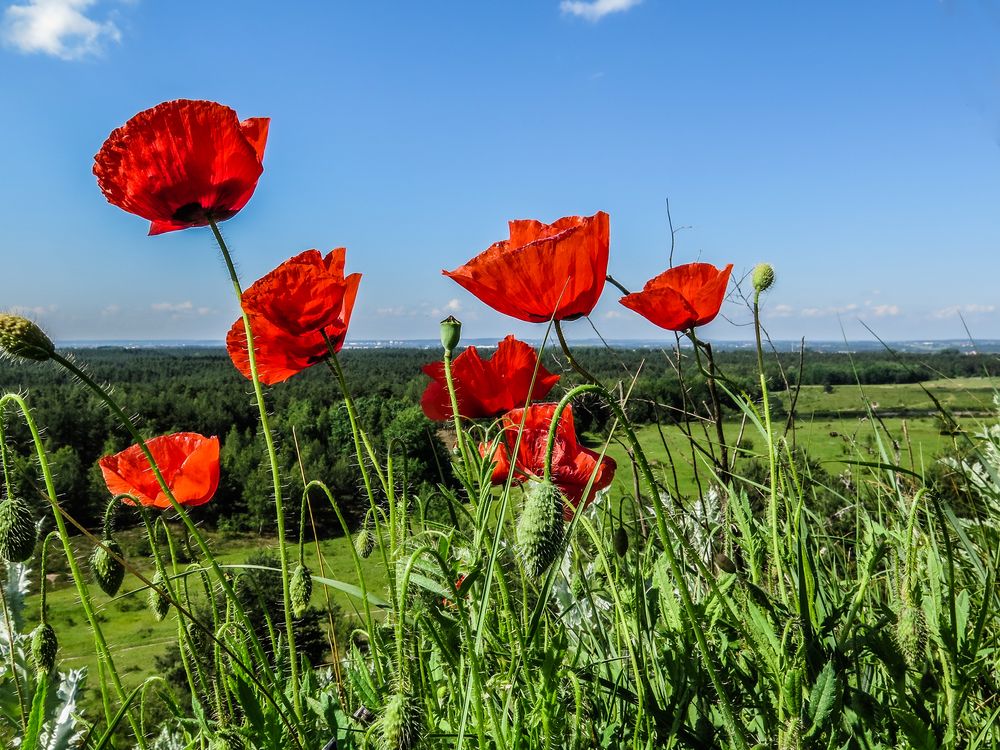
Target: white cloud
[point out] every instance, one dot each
(953, 310)
(780, 311)
(111, 310)
(173, 307)
(882, 311)
(595, 10)
(57, 27)
(823, 312)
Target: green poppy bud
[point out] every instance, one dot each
(763, 277)
(621, 541)
(159, 605)
(540, 529)
(300, 590)
(104, 564)
(364, 541)
(17, 530)
(21, 337)
(451, 332)
(44, 646)
(227, 739)
(401, 723)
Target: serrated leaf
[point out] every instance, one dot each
(822, 698)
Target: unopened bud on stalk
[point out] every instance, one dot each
(621, 541)
(451, 332)
(44, 646)
(106, 567)
(17, 530)
(364, 540)
(159, 605)
(300, 590)
(540, 529)
(763, 277)
(21, 337)
(401, 723)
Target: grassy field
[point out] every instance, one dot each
(833, 427)
(134, 635)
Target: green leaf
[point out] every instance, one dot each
(37, 716)
(822, 698)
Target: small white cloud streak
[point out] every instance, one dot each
(39, 310)
(883, 311)
(59, 28)
(950, 312)
(173, 307)
(595, 10)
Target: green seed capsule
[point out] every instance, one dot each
(540, 529)
(104, 564)
(300, 590)
(17, 530)
(451, 332)
(44, 646)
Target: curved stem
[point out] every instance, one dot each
(88, 608)
(621, 288)
(279, 510)
(581, 370)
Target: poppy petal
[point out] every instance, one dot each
(188, 462)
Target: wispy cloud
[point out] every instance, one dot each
(595, 10)
(61, 28)
(953, 310)
(180, 309)
(33, 312)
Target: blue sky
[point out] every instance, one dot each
(854, 145)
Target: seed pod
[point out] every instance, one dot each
(364, 541)
(159, 605)
(17, 530)
(451, 332)
(540, 529)
(763, 277)
(21, 337)
(44, 646)
(621, 541)
(300, 590)
(106, 567)
(401, 723)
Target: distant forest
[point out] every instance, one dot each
(193, 389)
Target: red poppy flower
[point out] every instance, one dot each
(290, 309)
(189, 463)
(543, 269)
(682, 297)
(306, 294)
(487, 388)
(572, 464)
(279, 354)
(182, 164)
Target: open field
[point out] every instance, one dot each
(134, 635)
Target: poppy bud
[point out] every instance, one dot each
(364, 541)
(451, 332)
(44, 646)
(227, 739)
(724, 562)
(159, 605)
(540, 528)
(763, 277)
(300, 590)
(401, 723)
(106, 567)
(21, 337)
(17, 530)
(621, 541)
(911, 631)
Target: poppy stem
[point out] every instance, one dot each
(279, 508)
(772, 459)
(722, 462)
(580, 369)
(621, 288)
(463, 446)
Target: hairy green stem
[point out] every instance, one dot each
(272, 454)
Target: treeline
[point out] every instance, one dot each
(192, 389)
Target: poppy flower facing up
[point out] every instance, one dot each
(682, 297)
(487, 388)
(572, 464)
(182, 164)
(543, 270)
(290, 309)
(189, 463)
